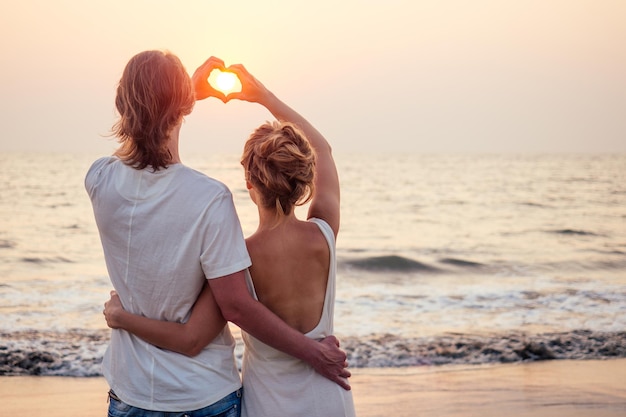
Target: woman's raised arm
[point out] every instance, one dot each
(325, 202)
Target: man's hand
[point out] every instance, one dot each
(332, 362)
(200, 80)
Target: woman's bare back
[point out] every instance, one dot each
(290, 266)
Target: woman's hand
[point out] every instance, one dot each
(113, 310)
(200, 80)
(204, 324)
(252, 90)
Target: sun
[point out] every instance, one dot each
(224, 81)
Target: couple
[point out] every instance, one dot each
(176, 256)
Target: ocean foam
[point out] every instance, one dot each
(79, 353)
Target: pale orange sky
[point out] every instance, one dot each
(406, 76)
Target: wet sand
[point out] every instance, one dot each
(550, 388)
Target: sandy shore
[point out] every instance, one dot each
(541, 389)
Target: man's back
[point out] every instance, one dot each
(162, 233)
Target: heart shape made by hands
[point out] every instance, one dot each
(225, 81)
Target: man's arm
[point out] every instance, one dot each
(238, 306)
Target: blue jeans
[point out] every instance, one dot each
(229, 406)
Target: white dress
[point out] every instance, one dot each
(276, 384)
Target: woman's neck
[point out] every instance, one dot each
(271, 220)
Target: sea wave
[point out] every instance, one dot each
(7, 244)
(41, 260)
(389, 263)
(458, 348)
(79, 353)
(574, 232)
(451, 266)
(461, 263)
(397, 263)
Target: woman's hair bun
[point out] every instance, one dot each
(280, 163)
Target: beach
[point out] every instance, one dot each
(459, 293)
(538, 389)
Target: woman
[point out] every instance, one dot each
(287, 163)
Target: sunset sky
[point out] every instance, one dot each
(373, 76)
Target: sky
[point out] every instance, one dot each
(372, 76)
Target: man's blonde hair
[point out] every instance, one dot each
(153, 95)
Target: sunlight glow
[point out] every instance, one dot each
(224, 81)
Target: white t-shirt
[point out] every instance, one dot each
(163, 233)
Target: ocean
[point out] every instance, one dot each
(442, 259)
